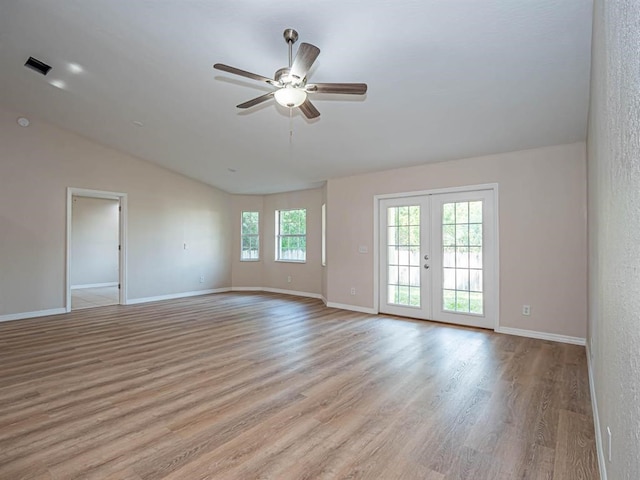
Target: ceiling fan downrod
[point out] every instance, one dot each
(291, 37)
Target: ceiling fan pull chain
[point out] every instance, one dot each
(290, 126)
(290, 136)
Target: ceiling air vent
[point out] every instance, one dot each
(37, 65)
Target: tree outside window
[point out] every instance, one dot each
(250, 236)
(291, 235)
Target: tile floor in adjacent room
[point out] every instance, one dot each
(93, 297)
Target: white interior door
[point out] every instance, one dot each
(437, 254)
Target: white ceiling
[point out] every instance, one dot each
(447, 79)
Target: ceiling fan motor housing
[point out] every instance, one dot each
(284, 77)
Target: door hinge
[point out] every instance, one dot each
(118, 286)
(119, 208)
(119, 247)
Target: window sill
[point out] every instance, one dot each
(291, 261)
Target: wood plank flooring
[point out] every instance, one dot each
(265, 386)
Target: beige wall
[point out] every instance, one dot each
(542, 218)
(614, 233)
(95, 236)
(38, 163)
(267, 273)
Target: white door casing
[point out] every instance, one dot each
(450, 239)
(122, 260)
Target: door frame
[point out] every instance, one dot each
(493, 187)
(122, 227)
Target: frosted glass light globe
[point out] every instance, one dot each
(290, 96)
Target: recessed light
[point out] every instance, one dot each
(23, 122)
(138, 123)
(75, 68)
(58, 83)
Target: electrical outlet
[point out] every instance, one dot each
(353, 290)
(289, 279)
(201, 278)
(526, 310)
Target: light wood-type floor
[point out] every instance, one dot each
(94, 297)
(265, 386)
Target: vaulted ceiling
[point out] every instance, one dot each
(447, 80)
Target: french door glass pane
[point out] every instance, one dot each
(462, 279)
(403, 255)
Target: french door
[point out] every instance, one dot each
(437, 257)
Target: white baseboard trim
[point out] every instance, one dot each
(353, 308)
(596, 419)
(173, 296)
(292, 292)
(277, 290)
(324, 300)
(94, 285)
(542, 335)
(39, 313)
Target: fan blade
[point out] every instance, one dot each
(346, 88)
(309, 110)
(305, 57)
(256, 101)
(242, 73)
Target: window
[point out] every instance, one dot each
(291, 235)
(403, 262)
(462, 257)
(324, 234)
(250, 236)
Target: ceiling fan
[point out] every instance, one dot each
(291, 84)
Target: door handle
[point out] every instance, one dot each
(426, 257)
(426, 266)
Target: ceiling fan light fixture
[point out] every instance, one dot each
(290, 96)
(291, 81)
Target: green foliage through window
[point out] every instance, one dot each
(462, 257)
(250, 236)
(403, 243)
(291, 235)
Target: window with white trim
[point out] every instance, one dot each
(250, 237)
(324, 235)
(291, 235)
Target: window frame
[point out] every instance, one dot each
(280, 236)
(244, 235)
(323, 254)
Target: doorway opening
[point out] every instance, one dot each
(96, 249)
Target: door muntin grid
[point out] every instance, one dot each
(462, 257)
(403, 256)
